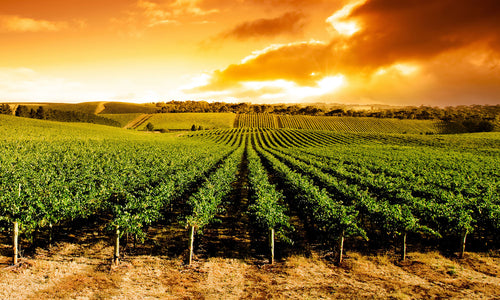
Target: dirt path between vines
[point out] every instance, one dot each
(233, 236)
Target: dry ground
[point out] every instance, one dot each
(73, 271)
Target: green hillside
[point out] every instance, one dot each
(184, 121)
(128, 108)
(16, 128)
(86, 107)
(123, 119)
(94, 107)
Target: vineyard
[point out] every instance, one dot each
(360, 188)
(362, 191)
(296, 191)
(340, 124)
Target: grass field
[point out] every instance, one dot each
(128, 108)
(123, 119)
(20, 129)
(184, 121)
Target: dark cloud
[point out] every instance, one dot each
(288, 23)
(416, 30)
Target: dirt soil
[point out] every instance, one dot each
(83, 271)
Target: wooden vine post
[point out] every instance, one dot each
(271, 245)
(462, 248)
(15, 242)
(15, 236)
(116, 257)
(51, 234)
(191, 243)
(403, 248)
(341, 247)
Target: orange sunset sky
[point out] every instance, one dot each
(411, 52)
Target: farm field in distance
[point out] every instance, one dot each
(345, 209)
(184, 121)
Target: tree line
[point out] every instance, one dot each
(487, 112)
(43, 113)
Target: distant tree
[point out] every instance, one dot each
(149, 126)
(5, 109)
(193, 128)
(243, 107)
(22, 111)
(265, 108)
(40, 113)
(293, 109)
(279, 109)
(200, 127)
(478, 126)
(339, 112)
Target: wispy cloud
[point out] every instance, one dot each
(288, 23)
(164, 22)
(13, 23)
(190, 7)
(147, 14)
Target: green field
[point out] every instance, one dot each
(15, 129)
(123, 119)
(128, 108)
(184, 121)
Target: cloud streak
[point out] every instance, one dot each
(146, 14)
(13, 23)
(191, 7)
(288, 23)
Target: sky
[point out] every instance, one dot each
(393, 52)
